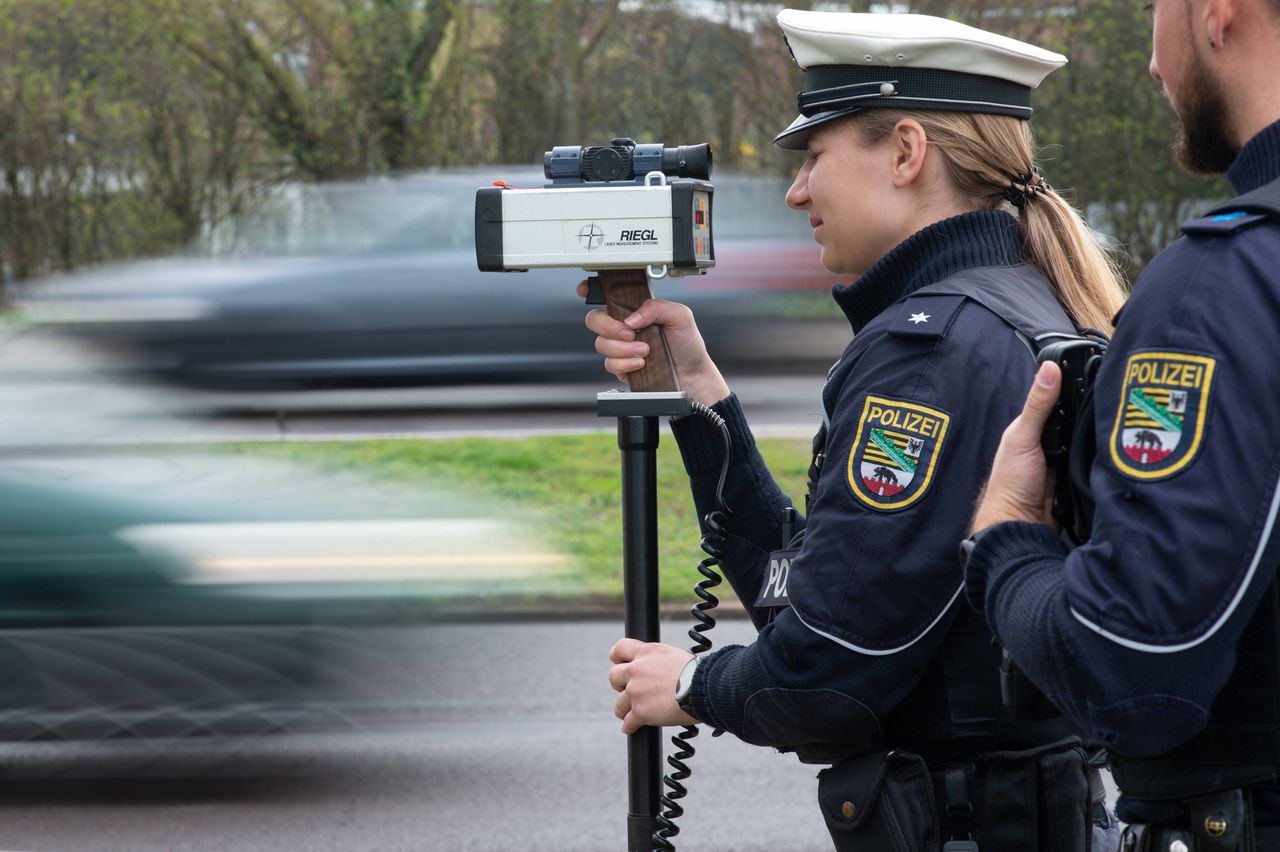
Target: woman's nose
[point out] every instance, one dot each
(798, 194)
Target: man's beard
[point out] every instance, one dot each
(1202, 145)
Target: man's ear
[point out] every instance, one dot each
(910, 144)
(1217, 18)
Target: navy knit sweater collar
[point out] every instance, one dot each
(1258, 162)
(967, 241)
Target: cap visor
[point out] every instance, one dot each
(796, 136)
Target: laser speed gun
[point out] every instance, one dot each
(628, 212)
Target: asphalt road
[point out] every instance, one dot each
(502, 738)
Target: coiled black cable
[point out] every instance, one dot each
(713, 545)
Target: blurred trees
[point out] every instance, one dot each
(541, 65)
(1107, 132)
(339, 88)
(110, 144)
(129, 126)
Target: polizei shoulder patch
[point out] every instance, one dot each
(1164, 402)
(895, 452)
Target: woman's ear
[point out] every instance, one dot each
(909, 144)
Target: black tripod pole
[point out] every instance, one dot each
(637, 415)
(638, 442)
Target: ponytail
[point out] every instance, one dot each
(989, 158)
(1059, 244)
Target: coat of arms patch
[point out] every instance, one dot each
(1160, 424)
(895, 452)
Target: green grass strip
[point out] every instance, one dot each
(567, 488)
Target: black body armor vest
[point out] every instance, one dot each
(963, 678)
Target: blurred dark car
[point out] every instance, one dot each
(375, 283)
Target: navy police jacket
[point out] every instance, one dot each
(1135, 633)
(874, 648)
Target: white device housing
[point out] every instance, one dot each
(654, 225)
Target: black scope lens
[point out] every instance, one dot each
(690, 161)
(624, 160)
(605, 164)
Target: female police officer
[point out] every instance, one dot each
(918, 153)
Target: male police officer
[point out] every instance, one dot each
(1161, 635)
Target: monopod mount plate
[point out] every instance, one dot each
(620, 403)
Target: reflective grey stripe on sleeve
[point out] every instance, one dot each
(876, 652)
(1263, 541)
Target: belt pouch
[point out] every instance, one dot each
(1037, 799)
(881, 802)
(1222, 822)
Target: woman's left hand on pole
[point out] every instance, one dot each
(645, 675)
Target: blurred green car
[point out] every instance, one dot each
(135, 605)
(101, 639)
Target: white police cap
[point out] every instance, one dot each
(855, 61)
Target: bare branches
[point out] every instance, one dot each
(430, 36)
(594, 34)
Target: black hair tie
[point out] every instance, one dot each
(1023, 187)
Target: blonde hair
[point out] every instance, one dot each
(984, 154)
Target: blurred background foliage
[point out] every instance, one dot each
(129, 127)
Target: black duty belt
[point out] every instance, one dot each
(892, 801)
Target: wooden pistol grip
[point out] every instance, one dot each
(625, 290)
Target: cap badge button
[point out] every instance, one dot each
(887, 89)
